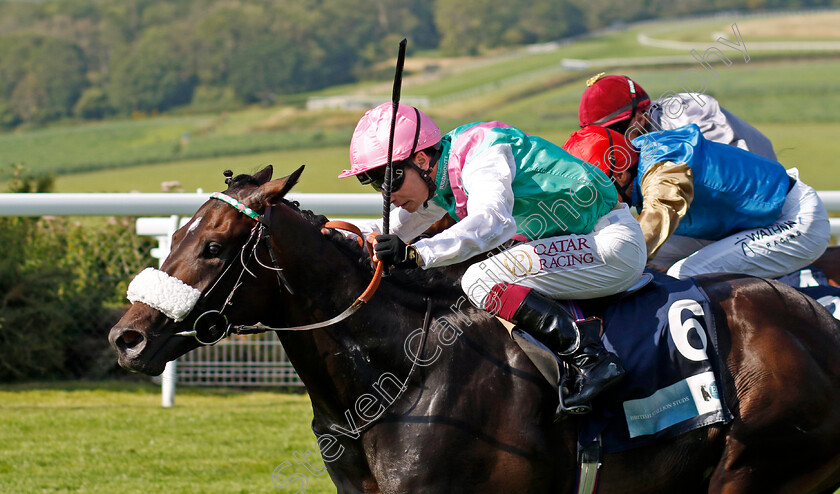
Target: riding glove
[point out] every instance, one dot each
(391, 250)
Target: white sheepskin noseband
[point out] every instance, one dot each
(165, 293)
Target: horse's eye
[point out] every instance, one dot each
(212, 249)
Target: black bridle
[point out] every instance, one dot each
(212, 326)
(217, 323)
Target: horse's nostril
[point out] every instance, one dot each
(129, 340)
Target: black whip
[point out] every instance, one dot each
(395, 99)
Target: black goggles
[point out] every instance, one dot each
(376, 177)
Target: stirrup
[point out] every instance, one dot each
(562, 409)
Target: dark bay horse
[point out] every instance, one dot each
(474, 414)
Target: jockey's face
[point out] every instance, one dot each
(414, 191)
(623, 178)
(637, 126)
(623, 182)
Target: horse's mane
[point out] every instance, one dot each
(240, 181)
(437, 281)
(441, 282)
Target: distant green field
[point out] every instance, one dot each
(116, 438)
(810, 147)
(322, 168)
(805, 26)
(773, 92)
(125, 143)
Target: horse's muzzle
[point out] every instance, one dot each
(131, 346)
(127, 341)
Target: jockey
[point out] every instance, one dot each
(619, 103)
(705, 207)
(548, 225)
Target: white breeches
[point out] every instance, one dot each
(796, 239)
(604, 262)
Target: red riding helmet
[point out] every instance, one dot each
(604, 148)
(610, 99)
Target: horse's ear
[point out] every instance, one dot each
(264, 175)
(276, 189)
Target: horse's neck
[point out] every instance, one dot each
(322, 278)
(355, 358)
(338, 363)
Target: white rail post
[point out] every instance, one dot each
(170, 372)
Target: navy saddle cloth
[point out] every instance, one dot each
(667, 340)
(814, 283)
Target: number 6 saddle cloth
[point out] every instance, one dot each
(667, 340)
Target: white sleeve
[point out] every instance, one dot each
(694, 108)
(488, 179)
(404, 224)
(715, 122)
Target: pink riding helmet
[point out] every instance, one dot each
(369, 145)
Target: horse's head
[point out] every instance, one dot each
(207, 260)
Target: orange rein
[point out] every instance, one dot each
(377, 275)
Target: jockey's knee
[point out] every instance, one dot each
(477, 282)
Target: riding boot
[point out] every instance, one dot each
(599, 368)
(578, 344)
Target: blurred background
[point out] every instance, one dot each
(162, 96)
(116, 95)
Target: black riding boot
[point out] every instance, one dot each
(576, 344)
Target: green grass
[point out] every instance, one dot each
(778, 92)
(794, 104)
(115, 437)
(812, 148)
(781, 92)
(108, 143)
(65, 149)
(322, 169)
(811, 26)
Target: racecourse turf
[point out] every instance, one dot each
(114, 437)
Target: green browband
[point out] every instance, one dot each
(238, 205)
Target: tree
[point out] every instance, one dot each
(222, 35)
(468, 26)
(550, 21)
(155, 75)
(47, 77)
(93, 103)
(261, 71)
